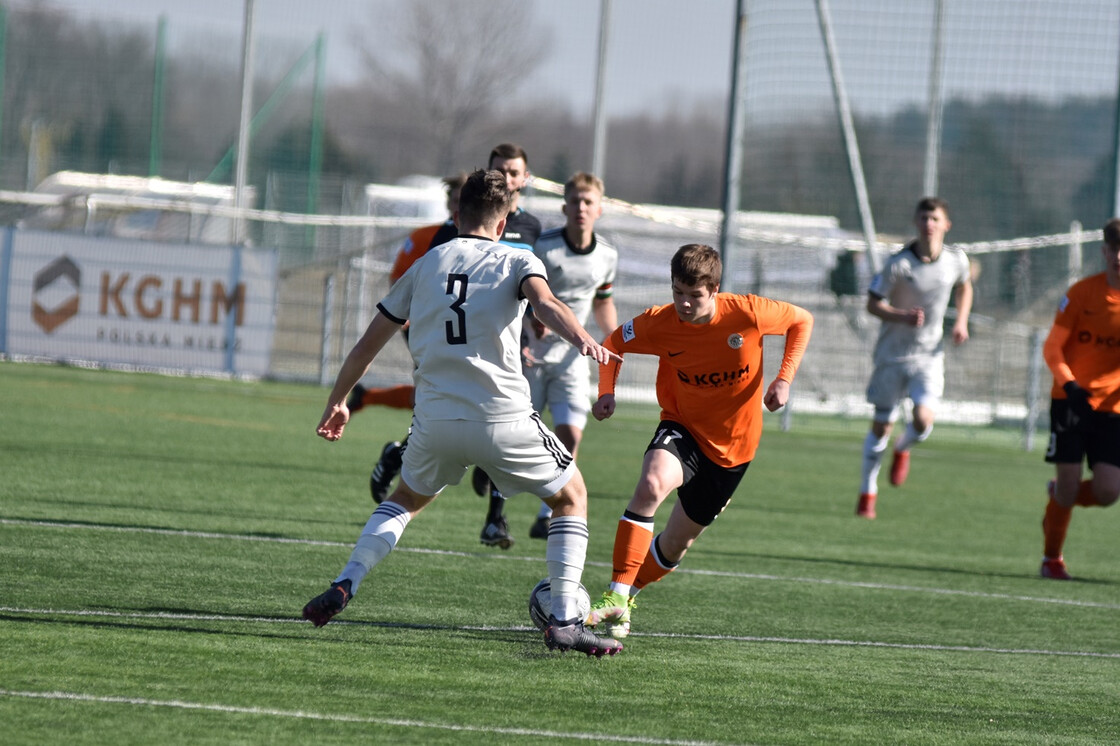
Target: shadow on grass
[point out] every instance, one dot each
(826, 562)
(179, 530)
(298, 628)
(210, 458)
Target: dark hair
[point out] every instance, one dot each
(697, 264)
(508, 151)
(1112, 232)
(485, 198)
(929, 204)
(454, 181)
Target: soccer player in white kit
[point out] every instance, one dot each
(464, 303)
(581, 272)
(911, 295)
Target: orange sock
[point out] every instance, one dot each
(1055, 523)
(631, 544)
(1085, 494)
(651, 571)
(397, 397)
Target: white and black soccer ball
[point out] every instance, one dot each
(540, 603)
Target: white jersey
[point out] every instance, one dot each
(907, 282)
(577, 277)
(464, 304)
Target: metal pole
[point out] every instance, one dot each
(315, 161)
(1073, 258)
(599, 115)
(1034, 384)
(733, 157)
(231, 315)
(155, 150)
(3, 55)
(325, 333)
(241, 157)
(855, 165)
(936, 103)
(1116, 153)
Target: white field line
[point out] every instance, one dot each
(340, 718)
(180, 616)
(516, 558)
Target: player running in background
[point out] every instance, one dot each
(710, 388)
(1083, 354)
(581, 272)
(911, 295)
(465, 303)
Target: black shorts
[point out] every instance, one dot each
(707, 486)
(1096, 438)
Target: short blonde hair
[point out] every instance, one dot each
(582, 181)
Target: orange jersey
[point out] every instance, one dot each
(416, 246)
(1084, 343)
(709, 376)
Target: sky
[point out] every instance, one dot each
(666, 55)
(642, 76)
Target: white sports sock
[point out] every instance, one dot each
(910, 436)
(565, 555)
(379, 536)
(873, 450)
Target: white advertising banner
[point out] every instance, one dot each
(114, 301)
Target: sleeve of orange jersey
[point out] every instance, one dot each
(404, 260)
(418, 243)
(609, 371)
(797, 339)
(1055, 357)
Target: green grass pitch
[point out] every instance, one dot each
(159, 535)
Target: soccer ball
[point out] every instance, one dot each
(540, 603)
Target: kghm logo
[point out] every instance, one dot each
(714, 379)
(54, 279)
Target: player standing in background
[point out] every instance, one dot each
(521, 231)
(911, 295)
(710, 388)
(415, 246)
(465, 304)
(581, 272)
(1083, 354)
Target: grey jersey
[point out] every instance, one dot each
(908, 282)
(464, 303)
(577, 277)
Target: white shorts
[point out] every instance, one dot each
(518, 456)
(564, 388)
(920, 379)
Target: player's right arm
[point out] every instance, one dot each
(336, 415)
(878, 306)
(1053, 352)
(609, 371)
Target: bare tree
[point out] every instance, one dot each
(450, 65)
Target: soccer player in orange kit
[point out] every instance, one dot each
(1083, 354)
(710, 389)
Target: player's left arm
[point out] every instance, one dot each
(555, 314)
(963, 299)
(798, 330)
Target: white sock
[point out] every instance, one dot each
(873, 450)
(379, 536)
(565, 555)
(910, 436)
